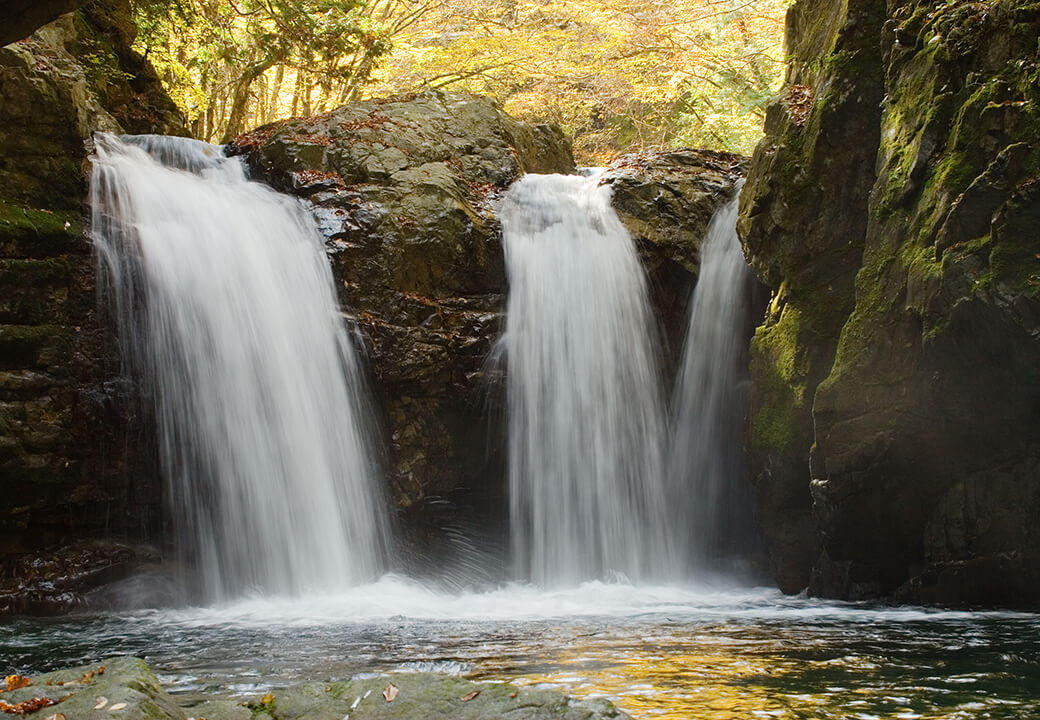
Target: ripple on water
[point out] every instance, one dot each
(664, 653)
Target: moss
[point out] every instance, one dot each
(34, 273)
(23, 346)
(779, 370)
(774, 426)
(30, 232)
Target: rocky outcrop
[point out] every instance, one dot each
(126, 687)
(895, 419)
(404, 190)
(666, 201)
(71, 466)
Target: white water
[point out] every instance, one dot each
(585, 414)
(705, 460)
(227, 311)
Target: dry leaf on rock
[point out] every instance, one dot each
(101, 702)
(13, 682)
(390, 692)
(117, 707)
(470, 695)
(23, 708)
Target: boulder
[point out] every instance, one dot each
(403, 190)
(666, 200)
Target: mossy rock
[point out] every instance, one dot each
(124, 688)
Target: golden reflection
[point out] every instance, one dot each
(710, 683)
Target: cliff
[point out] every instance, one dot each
(72, 463)
(894, 428)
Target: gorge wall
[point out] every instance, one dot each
(894, 428)
(72, 461)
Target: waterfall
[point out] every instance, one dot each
(585, 414)
(706, 456)
(227, 310)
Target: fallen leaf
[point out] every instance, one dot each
(14, 682)
(470, 695)
(390, 692)
(117, 707)
(512, 695)
(90, 674)
(56, 716)
(101, 702)
(267, 699)
(30, 705)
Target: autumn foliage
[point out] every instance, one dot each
(618, 75)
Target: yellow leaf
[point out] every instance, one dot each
(14, 682)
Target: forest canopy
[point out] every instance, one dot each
(618, 75)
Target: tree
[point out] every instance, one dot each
(618, 74)
(214, 54)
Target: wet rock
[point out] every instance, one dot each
(403, 190)
(72, 462)
(119, 687)
(900, 409)
(124, 687)
(426, 695)
(666, 201)
(61, 581)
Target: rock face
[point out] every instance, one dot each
(69, 461)
(19, 18)
(666, 201)
(404, 190)
(895, 420)
(126, 687)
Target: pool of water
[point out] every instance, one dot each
(657, 652)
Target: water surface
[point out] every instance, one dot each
(658, 652)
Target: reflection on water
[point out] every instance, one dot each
(656, 652)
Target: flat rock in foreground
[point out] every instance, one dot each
(124, 688)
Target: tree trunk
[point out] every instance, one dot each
(240, 99)
(276, 93)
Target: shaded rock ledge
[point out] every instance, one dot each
(74, 456)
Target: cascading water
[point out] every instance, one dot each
(706, 458)
(227, 309)
(585, 414)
